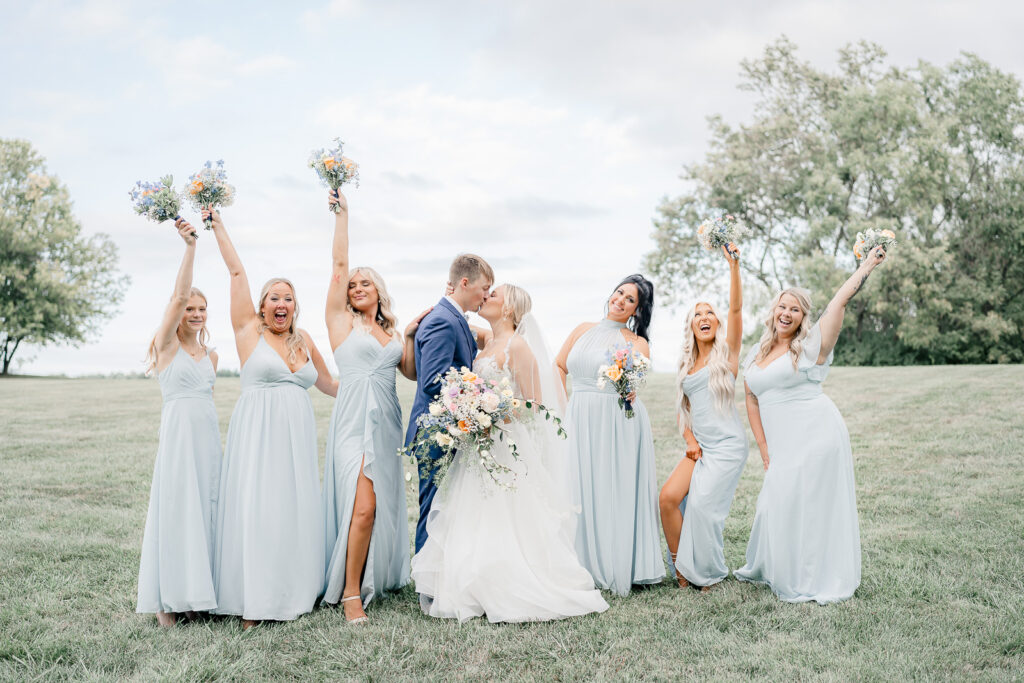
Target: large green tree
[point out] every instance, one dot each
(936, 154)
(56, 285)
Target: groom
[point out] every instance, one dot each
(443, 341)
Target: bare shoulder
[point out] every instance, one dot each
(637, 341)
(214, 358)
(580, 330)
(305, 336)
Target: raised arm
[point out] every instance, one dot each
(735, 331)
(324, 381)
(831, 321)
(166, 334)
(243, 312)
(338, 317)
(754, 417)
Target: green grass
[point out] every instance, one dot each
(939, 485)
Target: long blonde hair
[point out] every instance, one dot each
(293, 341)
(721, 381)
(202, 336)
(771, 335)
(387, 320)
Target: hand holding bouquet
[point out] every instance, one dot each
(870, 238)
(627, 370)
(333, 169)
(468, 414)
(157, 201)
(721, 231)
(209, 188)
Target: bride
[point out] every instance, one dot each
(508, 554)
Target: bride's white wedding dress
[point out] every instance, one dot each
(507, 554)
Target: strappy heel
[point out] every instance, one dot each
(683, 583)
(358, 620)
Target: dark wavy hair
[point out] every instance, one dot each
(641, 318)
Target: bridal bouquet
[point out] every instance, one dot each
(334, 169)
(627, 371)
(720, 231)
(210, 188)
(869, 239)
(157, 201)
(468, 414)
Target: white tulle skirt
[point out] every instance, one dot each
(508, 555)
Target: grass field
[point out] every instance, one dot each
(939, 485)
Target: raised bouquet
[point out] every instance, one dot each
(721, 231)
(469, 413)
(209, 188)
(157, 201)
(627, 370)
(333, 169)
(870, 238)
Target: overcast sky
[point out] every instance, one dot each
(541, 135)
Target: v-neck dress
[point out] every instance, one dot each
(805, 542)
(366, 429)
(176, 565)
(269, 561)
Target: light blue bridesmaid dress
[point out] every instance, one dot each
(805, 542)
(176, 567)
(723, 442)
(269, 561)
(366, 428)
(618, 537)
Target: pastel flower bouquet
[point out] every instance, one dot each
(157, 201)
(870, 238)
(209, 188)
(627, 370)
(334, 169)
(721, 231)
(468, 414)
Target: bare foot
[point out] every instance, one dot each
(248, 624)
(166, 618)
(353, 606)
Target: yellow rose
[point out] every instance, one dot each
(468, 376)
(614, 373)
(889, 233)
(330, 163)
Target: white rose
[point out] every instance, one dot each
(484, 419)
(436, 410)
(444, 439)
(507, 393)
(453, 430)
(490, 402)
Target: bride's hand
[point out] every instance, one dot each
(449, 289)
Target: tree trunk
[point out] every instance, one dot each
(8, 355)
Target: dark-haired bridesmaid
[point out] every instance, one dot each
(611, 455)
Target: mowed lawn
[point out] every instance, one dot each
(940, 487)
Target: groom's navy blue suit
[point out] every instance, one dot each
(443, 341)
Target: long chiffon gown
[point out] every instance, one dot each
(176, 567)
(506, 554)
(805, 542)
(366, 428)
(618, 538)
(723, 442)
(269, 561)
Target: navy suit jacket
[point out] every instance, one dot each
(443, 341)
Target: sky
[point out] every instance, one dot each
(541, 135)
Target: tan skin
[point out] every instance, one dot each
(621, 305)
(357, 289)
(183, 318)
(787, 317)
(704, 328)
(277, 310)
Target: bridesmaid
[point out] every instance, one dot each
(176, 567)
(805, 543)
(612, 456)
(704, 482)
(366, 523)
(269, 558)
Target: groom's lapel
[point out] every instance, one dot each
(462, 323)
